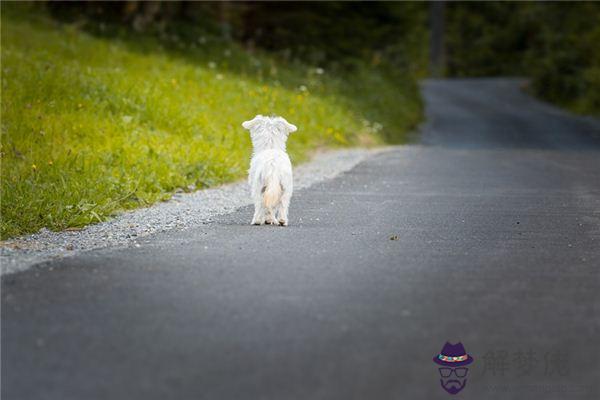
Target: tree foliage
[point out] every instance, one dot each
(556, 44)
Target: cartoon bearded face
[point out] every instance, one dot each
(452, 364)
(453, 380)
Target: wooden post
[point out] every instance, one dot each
(437, 61)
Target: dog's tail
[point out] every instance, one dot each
(272, 192)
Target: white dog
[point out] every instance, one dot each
(270, 174)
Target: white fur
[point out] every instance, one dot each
(270, 174)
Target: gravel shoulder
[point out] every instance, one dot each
(183, 211)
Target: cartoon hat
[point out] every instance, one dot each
(453, 355)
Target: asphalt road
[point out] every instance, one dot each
(494, 220)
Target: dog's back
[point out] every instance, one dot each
(270, 176)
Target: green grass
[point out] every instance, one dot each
(93, 125)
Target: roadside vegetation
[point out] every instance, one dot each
(557, 45)
(98, 118)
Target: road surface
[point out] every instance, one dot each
(487, 232)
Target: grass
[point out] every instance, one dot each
(93, 125)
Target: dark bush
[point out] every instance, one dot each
(557, 45)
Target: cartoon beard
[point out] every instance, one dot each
(453, 386)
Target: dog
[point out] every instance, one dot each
(270, 173)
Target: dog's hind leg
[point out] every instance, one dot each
(259, 213)
(270, 217)
(282, 209)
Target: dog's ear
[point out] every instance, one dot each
(252, 123)
(289, 128)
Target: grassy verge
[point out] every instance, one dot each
(92, 125)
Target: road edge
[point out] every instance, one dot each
(183, 211)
